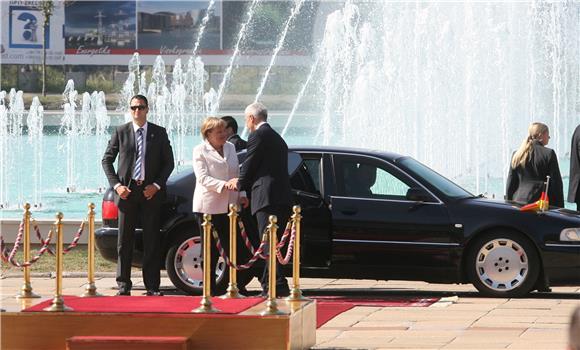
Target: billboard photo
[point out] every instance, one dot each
(100, 27)
(172, 27)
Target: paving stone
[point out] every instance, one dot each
(548, 345)
(480, 344)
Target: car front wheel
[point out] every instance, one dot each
(503, 264)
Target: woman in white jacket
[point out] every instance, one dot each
(215, 163)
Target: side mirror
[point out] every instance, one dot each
(418, 195)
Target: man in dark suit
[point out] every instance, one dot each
(232, 133)
(145, 163)
(264, 174)
(573, 190)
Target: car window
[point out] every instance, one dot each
(389, 185)
(313, 168)
(441, 183)
(368, 179)
(307, 176)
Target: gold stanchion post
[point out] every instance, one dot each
(58, 302)
(295, 292)
(233, 292)
(91, 289)
(26, 289)
(271, 305)
(205, 304)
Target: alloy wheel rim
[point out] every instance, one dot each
(188, 263)
(502, 264)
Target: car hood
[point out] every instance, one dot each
(499, 204)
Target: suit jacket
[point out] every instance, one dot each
(158, 156)
(265, 170)
(525, 184)
(573, 193)
(212, 171)
(238, 142)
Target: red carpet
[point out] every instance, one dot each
(329, 307)
(144, 304)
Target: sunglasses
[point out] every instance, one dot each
(134, 108)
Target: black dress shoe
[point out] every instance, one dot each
(124, 292)
(154, 293)
(282, 292)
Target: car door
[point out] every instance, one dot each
(316, 219)
(374, 222)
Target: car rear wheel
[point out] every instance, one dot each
(503, 264)
(184, 267)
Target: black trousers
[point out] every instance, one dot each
(137, 209)
(221, 223)
(263, 218)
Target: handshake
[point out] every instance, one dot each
(232, 184)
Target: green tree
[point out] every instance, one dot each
(46, 7)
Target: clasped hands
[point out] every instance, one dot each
(232, 185)
(148, 192)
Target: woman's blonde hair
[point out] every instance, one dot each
(523, 154)
(209, 124)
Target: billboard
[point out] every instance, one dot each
(23, 37)
(82, 30)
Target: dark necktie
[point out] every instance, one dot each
(139, 159)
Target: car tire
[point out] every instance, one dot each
(183, 265)
(503, 264)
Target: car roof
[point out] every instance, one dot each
(389, 156)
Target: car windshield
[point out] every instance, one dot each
(428, 175)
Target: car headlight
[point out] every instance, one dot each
(570, 235)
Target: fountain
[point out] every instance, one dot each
(35, 124)
(453, 84)
(237, 49)
(14, 148)
(70, 129)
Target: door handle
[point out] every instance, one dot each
(349, 211)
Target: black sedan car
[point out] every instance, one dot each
(378, 215)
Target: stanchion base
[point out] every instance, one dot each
(272, 309)
(58, 306)
(232, 296)
(91, 291)
(206, 310)
(232, 293)
(296, 295)
(26, 295)
(206, 307)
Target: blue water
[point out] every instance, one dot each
(90, 181)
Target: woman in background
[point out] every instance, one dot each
(530, 165)
(215, 162)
